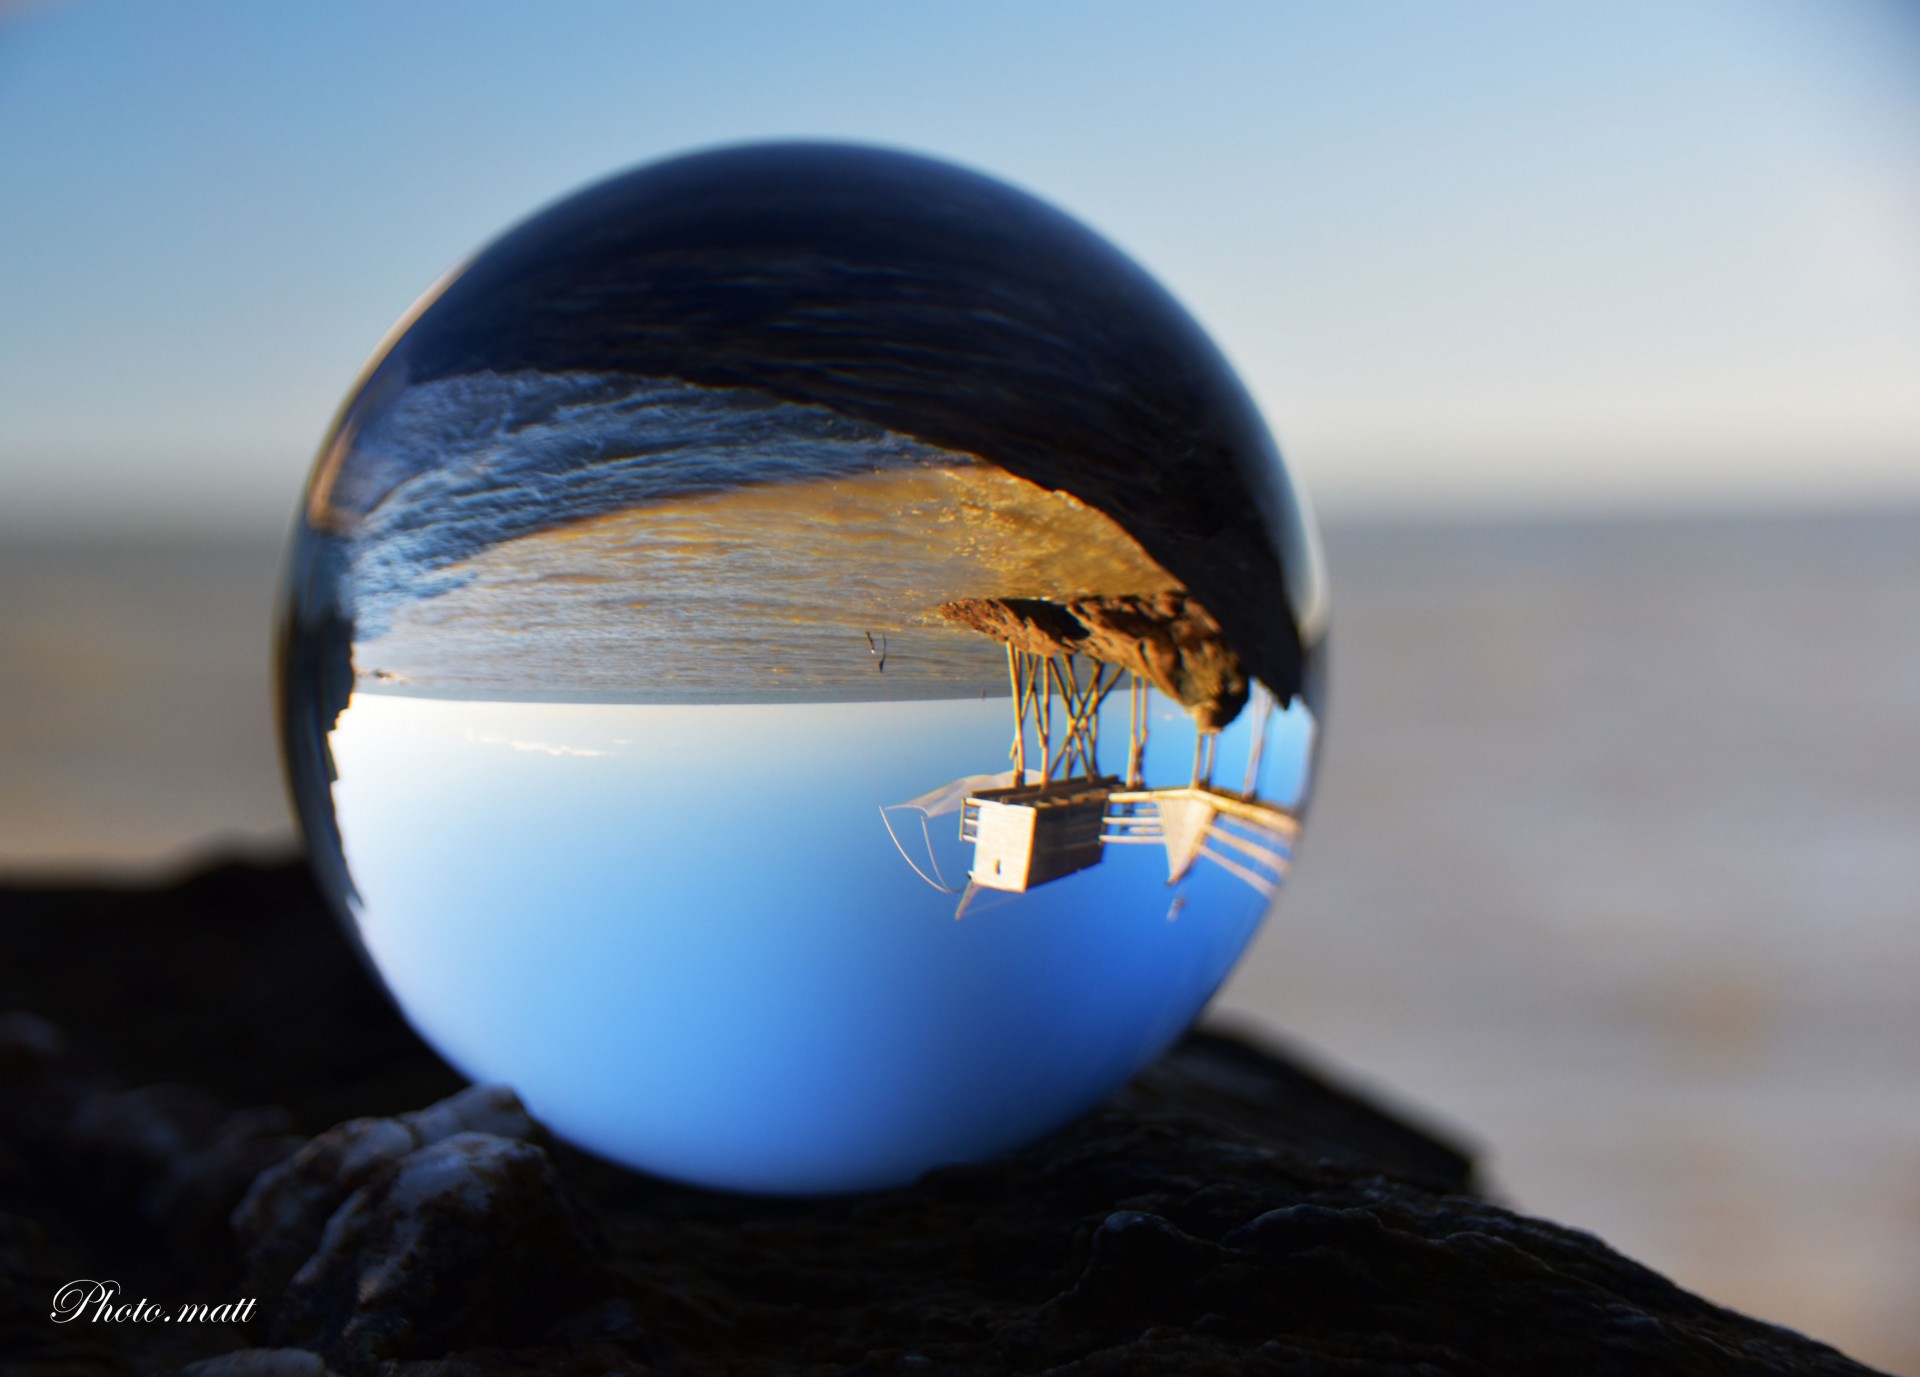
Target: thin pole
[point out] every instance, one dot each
(1135, 730)
(1043, 714)
(1070, 694)
(1019, 717)
(1098, 693)
(1064, 756)
(1083, 716)
(1254, 752)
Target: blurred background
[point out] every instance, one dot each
(1593, 329)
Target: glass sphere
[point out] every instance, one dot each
(803, 661)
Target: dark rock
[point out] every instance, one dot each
(1167, 639)
(279, 1225)
(236, 979)
(1228, 1212)
(36, 1260)
(172, 1157)
(1139, 1266)
(384, 1238)
(469, 1240)
(260, 1362)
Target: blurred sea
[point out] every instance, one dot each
(1614, 868)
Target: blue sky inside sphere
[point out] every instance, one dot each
(686, 936)
(1477, 257)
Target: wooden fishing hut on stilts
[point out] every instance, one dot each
(1054, 812)
(1026, 834)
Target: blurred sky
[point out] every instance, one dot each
(1616, 254)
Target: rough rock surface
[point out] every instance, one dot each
(1228, 1212)
(468, 1240)
(393, 1237)
(1166, 638)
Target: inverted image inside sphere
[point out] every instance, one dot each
(804, 661)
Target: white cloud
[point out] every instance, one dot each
(542, 747)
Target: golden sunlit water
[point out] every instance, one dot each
(721, 593)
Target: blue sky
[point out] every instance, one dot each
(1468, 256)
(735, 978)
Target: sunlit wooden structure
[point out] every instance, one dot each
(1028, 834)
(1053, 816)
(1249, 839)
(1034, 833)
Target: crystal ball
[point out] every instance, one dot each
(804, 661)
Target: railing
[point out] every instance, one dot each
(1248, 838)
